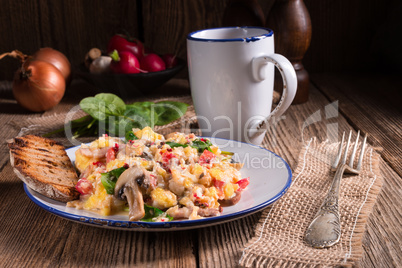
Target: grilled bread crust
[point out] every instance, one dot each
(44, 166)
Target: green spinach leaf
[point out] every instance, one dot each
(201, 145)
(103, 105)
(169, 111)
(109, 179)
(130, 136)
(152, 212)
(175, 144)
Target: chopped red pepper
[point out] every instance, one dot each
(243, 183)
(206, 157)
(217, 183)
(110, 154)
(98, 164)
(116, 147)
(84, 186)
(167, 156)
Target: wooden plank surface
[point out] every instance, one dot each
(370, 103)
(72, 27)
(344, 32)
(47, 240)
(160, 17)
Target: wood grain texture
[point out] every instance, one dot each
(345, 34)
(383, 235)
(243, 13)
(371, 104)
(167, 23)
(72, 27)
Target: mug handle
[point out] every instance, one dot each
(258, 68)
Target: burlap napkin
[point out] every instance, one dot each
(279, 235)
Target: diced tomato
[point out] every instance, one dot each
(243, 183)
(110, 154)
(84, 186)
(116, 147)
(98, 164)
(218, 184)
(167, 156)
(206, 157)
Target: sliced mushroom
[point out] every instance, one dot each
(128, 187)
(230, 202)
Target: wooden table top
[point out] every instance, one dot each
(30, 236)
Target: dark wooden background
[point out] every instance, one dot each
(348, 36)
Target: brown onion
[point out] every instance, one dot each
(56, 58)
(38, 85)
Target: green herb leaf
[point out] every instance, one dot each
(141, 115)
(130, 136)
(109, 179)
(175, 144)
(202, 145)
(103, 105)
(108, 182)
(108, 112)
(117, 172)
(152, 212)
(169, 111)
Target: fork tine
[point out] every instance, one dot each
(338, 156)
(352, 157)
(359, 163)
(347, 149)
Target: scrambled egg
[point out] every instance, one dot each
(185, 179)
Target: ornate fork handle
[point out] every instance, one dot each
(325, 229)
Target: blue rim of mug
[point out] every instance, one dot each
(247, 39)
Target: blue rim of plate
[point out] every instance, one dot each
(269, 33)
(172, 225)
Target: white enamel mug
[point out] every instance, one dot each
(231, 73)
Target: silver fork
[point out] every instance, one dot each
(325, 229)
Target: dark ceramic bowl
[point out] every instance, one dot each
(129, 85)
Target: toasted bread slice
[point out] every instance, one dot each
(44, 166)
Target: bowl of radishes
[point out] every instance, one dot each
(127, 68)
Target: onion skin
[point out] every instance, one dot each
(55, 57)
(38, 86)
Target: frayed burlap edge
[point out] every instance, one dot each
(252, 257)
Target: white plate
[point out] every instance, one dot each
(270, 177)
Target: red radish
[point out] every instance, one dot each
(170, 60)
(121, 43)
(152, 63)
(124, 62)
